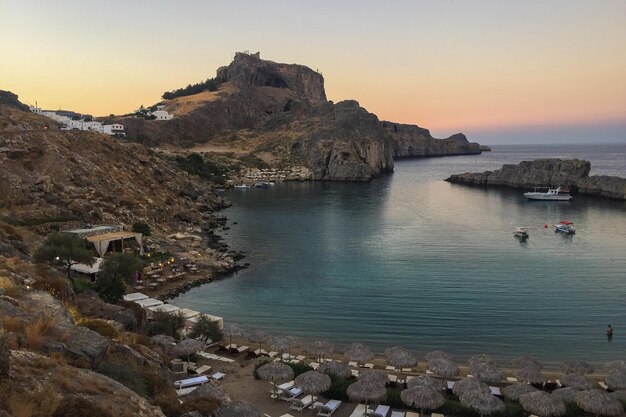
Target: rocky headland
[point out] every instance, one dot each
(281, 111)
(573, 173)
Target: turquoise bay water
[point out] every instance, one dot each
(412, 260)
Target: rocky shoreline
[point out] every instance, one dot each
(573, 173)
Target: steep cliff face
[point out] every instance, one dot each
(281, 109)
(411, 141)
(548, 172)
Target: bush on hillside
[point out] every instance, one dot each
(143, 228)
(210, 84)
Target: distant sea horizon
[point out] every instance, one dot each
(409, 259)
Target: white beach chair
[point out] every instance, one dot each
(390, 368)
(412, 414)
(218, 376)
(398, 414)
(289, 394)
(353, 364)
(437, 415)
(369, 366)
(327, 410)
(301, 404)
(511, 379)
(380, 411)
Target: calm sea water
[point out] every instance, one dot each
(412, 260)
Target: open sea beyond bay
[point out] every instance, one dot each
(411, 260)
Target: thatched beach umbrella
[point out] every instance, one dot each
(320, 349)
(426, 381)
(577, 381)
(371, 375)
(483, 403)
(486, 371)
(542, 404)
(400, 357)
(366, 391)
(531, 375)
(469, 385)
(358, 352)
(565, 394)
(163, 340)
(422, 397)
(576, 367)
(515, 391)
(616, 379)
(312, 382)
(616, 365)
(618, 395)
(209, 391)
(294, 342)
(526, 362)
(275, 372)
(259, 337)
(230, 331)
(438, 354)
(238, 409)
(443, 367)
(482, 358)
(188, 347)
(279, 343)
(598, 402)
(338, 369)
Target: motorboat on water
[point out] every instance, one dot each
(566, 227)
(521, 233)
(553, 194)
(242, 186)
(262, 184)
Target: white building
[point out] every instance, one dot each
(34, 109)
(68, 123)
(115, 129)
(162, 115)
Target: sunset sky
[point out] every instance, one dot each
(471, 66)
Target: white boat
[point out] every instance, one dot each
(566, 227)
(521, 233)
(242, 186)
(553, 194)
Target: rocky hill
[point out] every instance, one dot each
(548, 172)
(281, 109)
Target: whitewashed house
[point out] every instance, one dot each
(36, 110)
(114, 129)
(162, 115)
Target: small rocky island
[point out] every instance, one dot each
(548, 172)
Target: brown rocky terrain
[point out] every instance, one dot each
(548, 172)
(267, 107)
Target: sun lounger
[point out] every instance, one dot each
(242, 349)
(412, 414)
(353, 364)
(314, 365)
(450, 384)
(285, 386)
(398, 414)
(437, 415)
(218, 376)
(359, 411)
(185, 391)
(202, 369)
(429, 372)
(272, 354)
(405, 370)
(327, 410)
(603, 385)
(511, 379)
(190, 382)
(301, 404)
(355, 372)
(286, 415)
(390, 368)
(300, 357)
(289, 394)
(380, 411)
(496, 391)
(369, 366)
(392, 378)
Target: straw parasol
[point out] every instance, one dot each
(163, 340)
(238, 409)
(526, 362)
(517, 390)
(320, 348)
(598, 402)
(230, 331)
(438, 354)
(618, 395)
(188, 347)
(531, 375)
(275, 372)
(565, 394)
(482, 358)
(358, 352)
(443, 367)
(426, 381)
(577, 381)
(293, 341)
(576, 367)
(482, 402)
(377, 377)
(258, 336)
(421, 397)
(400, 357)
(616, 365)
(542, 404)
(468, 385)
(486, 371)
(209, 391)
(616, 379)
(338, 369)
(366, 391)
(312, 382)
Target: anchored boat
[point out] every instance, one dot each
(521, 233)
(566, 227)
(553, 194)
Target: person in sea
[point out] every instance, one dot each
(609, 331)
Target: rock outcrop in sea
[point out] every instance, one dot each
(279, 109)
(573, 173)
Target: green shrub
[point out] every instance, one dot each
(166, 323)
(143, 228)
(338, 388)
(393, 398)
(299, 368)
(210, 84)
(455, 408)
(206, 329)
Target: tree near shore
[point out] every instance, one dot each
(117, 270)
(65, 250)
(206, 329)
